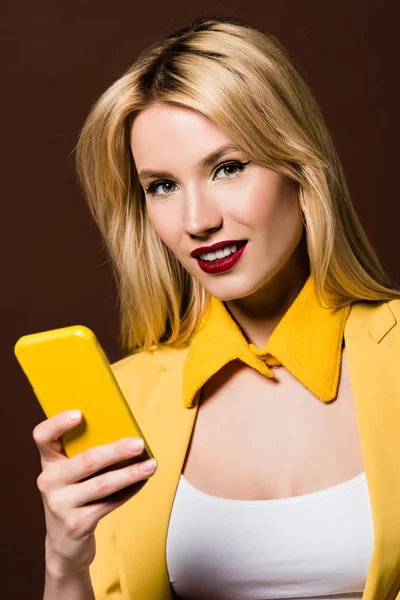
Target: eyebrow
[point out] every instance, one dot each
(202, 164)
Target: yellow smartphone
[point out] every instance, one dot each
(68, 369)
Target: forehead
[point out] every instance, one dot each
(163, 133)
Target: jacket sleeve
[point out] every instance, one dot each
(104, 569)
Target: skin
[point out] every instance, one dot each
(197, 206)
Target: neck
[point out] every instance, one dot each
(258, 314)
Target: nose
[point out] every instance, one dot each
(202, 215)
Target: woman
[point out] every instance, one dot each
(262, 342)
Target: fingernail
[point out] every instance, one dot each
(149, 465)
(135, 444)
(74, 415)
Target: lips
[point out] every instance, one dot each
(217, 245)
(221, 265)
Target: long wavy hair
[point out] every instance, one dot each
(244, 81)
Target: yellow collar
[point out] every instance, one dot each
(307, 341)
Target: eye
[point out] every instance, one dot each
(231, 168)
(151, 190)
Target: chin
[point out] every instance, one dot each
(226, 293)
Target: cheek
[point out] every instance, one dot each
(277, 213)
(285, 212)
(267, 211)
(283, 204)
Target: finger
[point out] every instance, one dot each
(47, 434)
(89, 462)
(109, 483)
(86, 518)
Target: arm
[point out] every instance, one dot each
(68, 587)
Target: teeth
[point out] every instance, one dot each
(221, 253)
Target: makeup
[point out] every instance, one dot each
(222, 264)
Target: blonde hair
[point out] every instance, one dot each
(218, 66)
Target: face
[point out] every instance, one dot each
(200, 189)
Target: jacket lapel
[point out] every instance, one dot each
(373, 360)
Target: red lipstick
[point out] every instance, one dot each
(215, 246)
(221, 264)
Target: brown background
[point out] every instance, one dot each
(57, 57)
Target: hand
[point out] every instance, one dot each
(75, 496)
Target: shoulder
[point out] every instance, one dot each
(375, 321)
(394, 306)
(141, 362)
(147, 367)
(150, 381)
(151, 361)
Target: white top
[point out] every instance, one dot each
(317, 545)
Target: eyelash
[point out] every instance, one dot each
(236, 163)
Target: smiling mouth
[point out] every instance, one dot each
(213, 265)
(221, 253)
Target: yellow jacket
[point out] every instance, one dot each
(130, 561)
